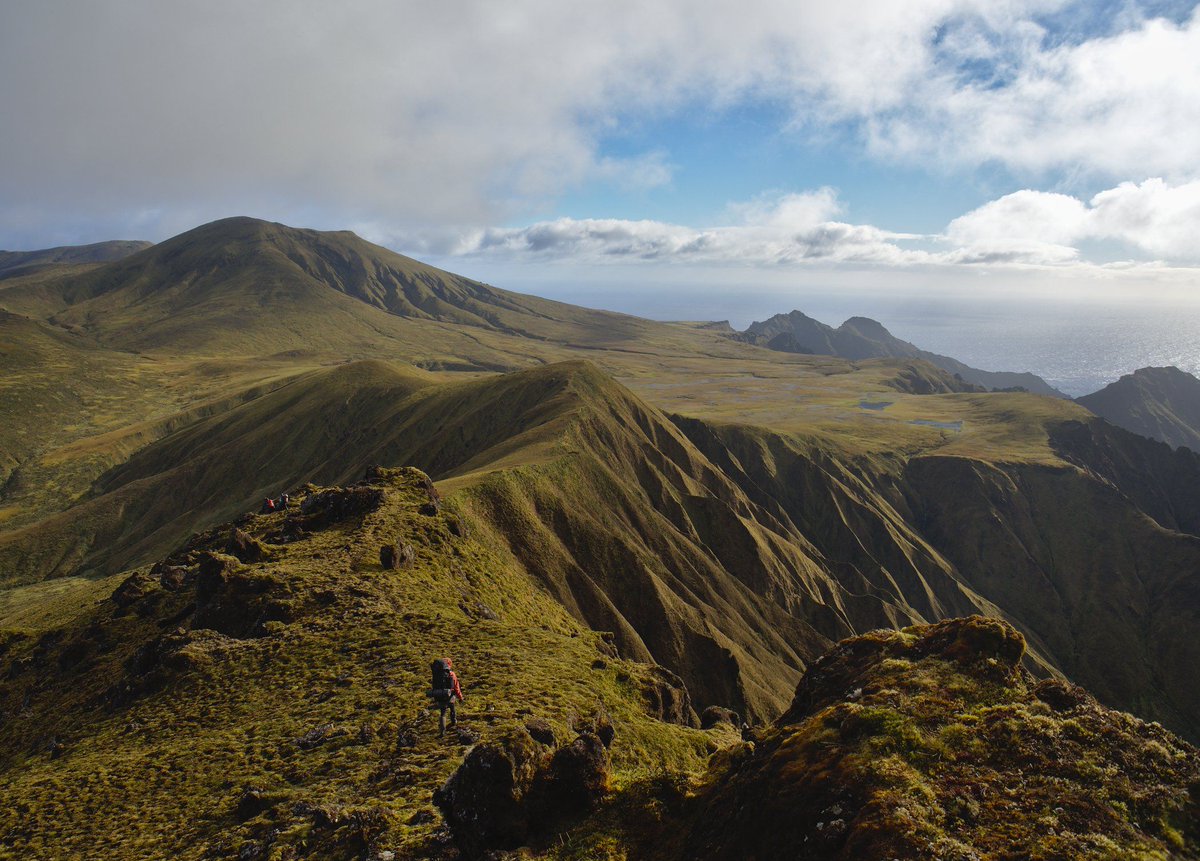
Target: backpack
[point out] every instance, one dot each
(441, 683)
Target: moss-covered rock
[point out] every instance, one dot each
(932, 742)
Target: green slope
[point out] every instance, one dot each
(22, 263)
(933, 743)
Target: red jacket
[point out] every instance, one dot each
(454, 685)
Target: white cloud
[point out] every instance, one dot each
(400, 113)
(787, 229)
(1114, 106)
(1155, 217)
(408, 112)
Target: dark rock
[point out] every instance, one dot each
(541, 731)
(577, 778)
(457, 526)
(974, 638)
(174, 577)
(246, 548)
(467, 736)
(714, 715)
(1059, 695)
(667, 697)
(335, 505)
(56, 748)
(599, 664)
(476, 609)
(389, 557)
(135, 587)
(605, 730)
(429, 509)
(238, 602)
(485, 801)
(319, 735)
(421, 817)
(608, 644)
(251, 803)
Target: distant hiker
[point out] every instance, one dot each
(445, 692)
(268, 506)
(281, 503)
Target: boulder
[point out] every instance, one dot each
(667, 697)
(714, 715)
(133, 588)
(393, 556)
(541, 731)
(245, 547)
(577, 779)
(485, 801)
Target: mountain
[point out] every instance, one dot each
(260, 692)
(615, 522)
(241, 286)
(19, 263)
(864, 338)
(266, 695)
(731, 554)
(1161, 403)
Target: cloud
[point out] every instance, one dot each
(403, 111)
(148, 116)
(778, 230)
(1157, 220)
(1111, 106)
(1154, 217)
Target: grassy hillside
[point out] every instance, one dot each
(723, 511)
(246, 287)
(1161, 403)
(214, 707)
(22, 263)
(732, 554)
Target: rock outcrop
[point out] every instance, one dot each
(934, 742)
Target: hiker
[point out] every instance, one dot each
(268, 506)
(445, 692)
(281, 503)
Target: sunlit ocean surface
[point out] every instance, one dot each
(1076, 347)
(1078, 351)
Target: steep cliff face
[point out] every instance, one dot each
(1071, 554)
(1161, 403)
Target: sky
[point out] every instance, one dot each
(666, 157)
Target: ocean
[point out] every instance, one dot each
(1078, 350)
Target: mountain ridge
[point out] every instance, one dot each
(863, 338)
(1161, 403)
